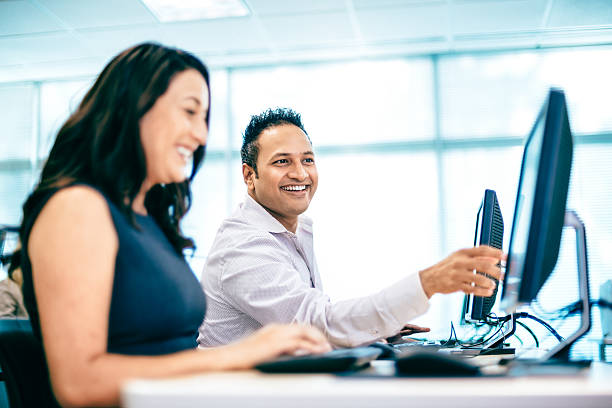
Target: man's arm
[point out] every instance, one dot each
(260, 280)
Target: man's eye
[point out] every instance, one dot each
(281, 161)
(190, 111)
(309, 160)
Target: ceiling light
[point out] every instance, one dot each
(183, 10)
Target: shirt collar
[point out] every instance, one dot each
(260, 217)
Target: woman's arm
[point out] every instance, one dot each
(72, 247)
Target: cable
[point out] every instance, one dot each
(478, 335)
(535, 338)
(450, 341)
(529, 316)
(519, 339)
(467, 346)
(542, 322)
(502, 319)
(490, 322)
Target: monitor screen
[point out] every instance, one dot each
(540, 204)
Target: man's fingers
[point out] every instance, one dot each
(477, 279)
(412, 328)
(483, 281)
(476, 290)
(488, 269)
(486, 251)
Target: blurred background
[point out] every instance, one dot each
(413, 107)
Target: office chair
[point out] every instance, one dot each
(24, 367)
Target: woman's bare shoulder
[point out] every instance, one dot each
(79, 195)
(74, 213)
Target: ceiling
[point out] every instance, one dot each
(42, 39)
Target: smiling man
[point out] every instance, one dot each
(261, 268)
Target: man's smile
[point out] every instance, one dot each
(295, 187)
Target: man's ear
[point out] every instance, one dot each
(248, 174)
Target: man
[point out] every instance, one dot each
(262, 269)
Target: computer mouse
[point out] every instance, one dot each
(434, 364)
(388, 352)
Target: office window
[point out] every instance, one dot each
(375, 219)
(15, 184)
(17, 138)
(58, 100)
(467, 173)
(489, 96)
(210, 205)
(218, 132)
(345, 103)
(18, 121)
(499, 94)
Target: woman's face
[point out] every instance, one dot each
(174, 128)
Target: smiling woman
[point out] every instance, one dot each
(175, 127)
(105, 279)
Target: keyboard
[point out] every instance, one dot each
(450, 349)
(428, 345)
(421, 363)
(334, 361)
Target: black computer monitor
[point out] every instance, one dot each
(489, 231)
(540, 204)
(9, 239)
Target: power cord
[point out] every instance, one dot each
(485, 340)
(532, 317)
(535, 338)
(451, 342)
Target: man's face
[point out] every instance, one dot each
(287, 175)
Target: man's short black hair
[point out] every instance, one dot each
(261, 122)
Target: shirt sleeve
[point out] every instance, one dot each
(260, 280)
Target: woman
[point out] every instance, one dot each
(105, 281)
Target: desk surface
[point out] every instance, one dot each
(590, 388)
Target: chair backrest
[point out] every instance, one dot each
(24, 366)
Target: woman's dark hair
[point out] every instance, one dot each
(100, 143)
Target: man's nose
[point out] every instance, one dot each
(298, 172)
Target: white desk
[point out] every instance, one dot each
(590, 388)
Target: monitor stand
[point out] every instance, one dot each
(556, 360)
(496, 345)
(561, 351)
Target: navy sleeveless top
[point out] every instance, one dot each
(157, 304)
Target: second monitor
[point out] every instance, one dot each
(489, 231)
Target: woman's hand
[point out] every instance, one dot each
(274, 340)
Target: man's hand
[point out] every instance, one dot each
(456, 272)
(407, 330)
